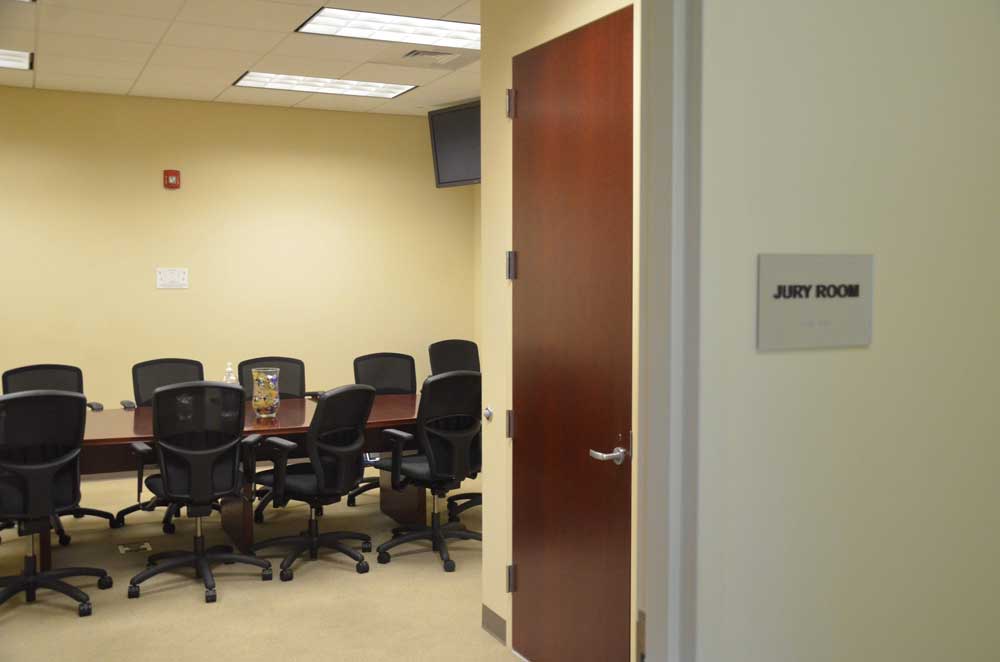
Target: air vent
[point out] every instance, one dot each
(437, 57)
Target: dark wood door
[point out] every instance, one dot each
(572, 345)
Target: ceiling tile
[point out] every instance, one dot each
(235, 62)
(264, 97)
(196, 35)
(88, 67)
(92, 47)
(384, 73)
(396, 54)
(55, 81)
(253, 14)
(17, 78)
(340, 102)
(452, 89)
(108, 26)
(181, 83)
(467, 13)
(17, 40)
(300, 66)
(165, 9)
(422, 8)
(329, 48)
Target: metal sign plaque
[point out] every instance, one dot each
(814, 301)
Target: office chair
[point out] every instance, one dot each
(41, 434)
(447, 356)
(449, 434)
(146, 378)
(58, 378)
(334, 445)
(291, 384)
(198, 429)
(389, 374)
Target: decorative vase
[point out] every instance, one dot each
(265, 392)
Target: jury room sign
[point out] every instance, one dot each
(814, 301)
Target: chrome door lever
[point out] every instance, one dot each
(617, 456)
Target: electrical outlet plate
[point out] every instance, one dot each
(171, 278)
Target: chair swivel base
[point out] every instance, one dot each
(366, 484)
(436, 533)
(29, 581)
(201, 560)
(311, 541)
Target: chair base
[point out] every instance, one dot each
(366, 485)
(456, 506)
(436, 533)
(30, 580)
(93, 512)
(201, 561)
(312, 541)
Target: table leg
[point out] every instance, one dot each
(237, 520)
(408, 507)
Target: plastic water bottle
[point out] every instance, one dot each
(230, 377)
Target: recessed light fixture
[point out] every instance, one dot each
(353, 88)
(15, 60)
(387, 27)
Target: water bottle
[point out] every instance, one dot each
(230, 377)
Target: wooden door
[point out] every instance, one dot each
(572, 344)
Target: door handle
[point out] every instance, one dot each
(617, 455)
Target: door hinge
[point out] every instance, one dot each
(511, 103)
(511, 265)
(511, 578)
(510, 423)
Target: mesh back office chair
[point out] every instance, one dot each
(291, 384)
(198, 429)
(58, 378)
(389, 374)
(334, 446)
(146, 378)
(449, 435)
(41, 434)
(447, 356)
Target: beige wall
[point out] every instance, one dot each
(849, 499)
(509, 27)
(314, 234)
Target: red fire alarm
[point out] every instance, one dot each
(171, 179)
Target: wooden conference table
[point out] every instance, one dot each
(120, 427)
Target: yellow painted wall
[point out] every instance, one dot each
(307, 233)
(849, 499)
(510, 27)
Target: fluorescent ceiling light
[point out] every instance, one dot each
(386, 27)
(15, 60)
(354, 88)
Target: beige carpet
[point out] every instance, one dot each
(409, 609)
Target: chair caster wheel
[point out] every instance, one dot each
(133, 591)
(85, 609)
(116, 523)
(266, 574)
(449, 566)
(258, 518)
(286, 575)
(169, 527)
(77, 515)
(383, 557)
(64, 540)
(351, 502)
(210, 595)
(105, 582)
(362, 567)
(366, 546)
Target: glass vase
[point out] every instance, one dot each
(265, 392)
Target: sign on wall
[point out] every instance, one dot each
(814, 301)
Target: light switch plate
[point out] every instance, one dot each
(171, 278)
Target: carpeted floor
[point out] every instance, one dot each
(408, 610)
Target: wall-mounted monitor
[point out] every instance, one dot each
(455, 141)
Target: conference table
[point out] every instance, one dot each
(120, 427)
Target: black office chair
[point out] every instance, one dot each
(449, 435)
(447, 356)
(58, 378)
(197, 431)
(146, 378)
(291, 384)
(334, 446)
(41, 434)
(389, 374)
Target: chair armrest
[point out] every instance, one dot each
(314, 394)
(95, 406)
(398, 439)
(127, 404)
(143, 452)
(283, 448)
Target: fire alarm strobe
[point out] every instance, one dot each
(171, 179)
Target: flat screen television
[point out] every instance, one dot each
(455, 142)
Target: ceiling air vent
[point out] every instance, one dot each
(435, 57)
